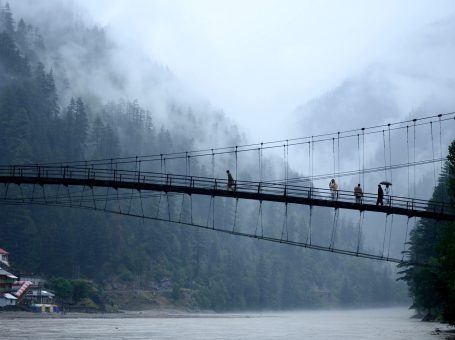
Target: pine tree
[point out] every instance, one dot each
(6, 20)
(68, 127)
(21, 36)
(12, 64)
(46, 103)
(80, 128)
(95, 138)
(19, 131)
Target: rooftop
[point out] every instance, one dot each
(4, 272)
(9, 296)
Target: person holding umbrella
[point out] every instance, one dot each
(379, 201)
(387, 191)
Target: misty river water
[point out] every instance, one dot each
(391, 323)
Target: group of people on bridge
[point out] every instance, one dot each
(333, 186)
(358, 192)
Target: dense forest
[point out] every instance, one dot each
(45, 117)
(432, 287)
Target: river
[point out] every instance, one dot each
(390, 323)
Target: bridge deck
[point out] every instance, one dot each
(261, 191)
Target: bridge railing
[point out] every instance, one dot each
(131, 176)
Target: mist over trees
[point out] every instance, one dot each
(47, 115)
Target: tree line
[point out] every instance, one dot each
(432, 287)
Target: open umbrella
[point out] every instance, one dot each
(387, 185)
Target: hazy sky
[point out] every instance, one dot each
(259, 60)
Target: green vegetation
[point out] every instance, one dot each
(433, 242)
(77, 294)
(41, 121)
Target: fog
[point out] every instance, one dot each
(261, 60)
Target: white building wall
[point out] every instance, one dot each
(7, 302)
(4, 259)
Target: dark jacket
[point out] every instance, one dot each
(380, 192)
(230, 179)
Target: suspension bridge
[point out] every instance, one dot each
(133, 174)
(193, 185)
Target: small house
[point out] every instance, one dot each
(6, 286)
(4, 257)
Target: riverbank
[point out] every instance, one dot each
(151, 313)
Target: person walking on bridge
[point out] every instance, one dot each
(231, 181)
(358, 193)
(333, 186)
(380, 199)
(387, 194)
